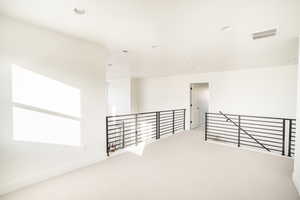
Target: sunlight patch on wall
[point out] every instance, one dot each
(44, 110)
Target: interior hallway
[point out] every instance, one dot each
(178, 167)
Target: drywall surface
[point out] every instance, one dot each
(296, 175)
(76, 63)
(263, 92)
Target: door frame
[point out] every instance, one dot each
(190, 101)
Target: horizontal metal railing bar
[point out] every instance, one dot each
(266, 133)
(147, 112)
(146, 120)
(259, 128)
(260, 136)
(146, 132)
(116, 119)
(234, 141)
(225, 124)
(220, 117)
(179, 128)
(250, 145)
(146, 136)
(118, 136)
(130, 129)
(166, 116)
(170, 126)
(146, 129)
(120, 132)
(165, 125)
(208, 129)
(112, 129)
(224, 133)
(170, 130)
(263, 136)
(214, 120)
(166, 120)
(243, 130)
(121, 141)
(242, 123)
(208, 125)
(168, 133)
(146, 116)
(147, 124)
(231, 115)
(262, 121)
(232, 137)
(253, 116)
(266, 144)
(166, 128)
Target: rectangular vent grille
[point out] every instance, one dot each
(264, 34)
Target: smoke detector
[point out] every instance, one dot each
(264, 34)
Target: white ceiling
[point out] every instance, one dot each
(187, 31)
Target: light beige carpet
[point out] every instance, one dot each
(181, 167)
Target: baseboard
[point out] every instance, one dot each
(296, 182)
(27, 181)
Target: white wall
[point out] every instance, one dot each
(263, 91)
(296, 175)
(119, 96)
(74, 62)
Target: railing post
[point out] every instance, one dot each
(107, 147)
(173, 131)
(290, 138)
(184, 119)
(136, 129)
(239, 131)
(283, 137)
(157, 125)
(123, 134)
(206, 126)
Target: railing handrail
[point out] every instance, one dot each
(142, 113)
(254, 116)
(245, 131)
(131, 129)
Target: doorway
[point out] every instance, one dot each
(199, 104)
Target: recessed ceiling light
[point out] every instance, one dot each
(125, 51)
(226, 28)
(109, 64)
(79, 11)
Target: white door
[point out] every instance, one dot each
(199, 104)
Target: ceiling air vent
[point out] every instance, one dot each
(264, 34)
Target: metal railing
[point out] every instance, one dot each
(123, 131)
(272, 134)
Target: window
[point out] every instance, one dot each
(44, 110)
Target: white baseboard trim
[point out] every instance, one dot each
(27, 181)
(296, 182)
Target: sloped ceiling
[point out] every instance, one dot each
(166, 37)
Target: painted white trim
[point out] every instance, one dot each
(37, 178)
